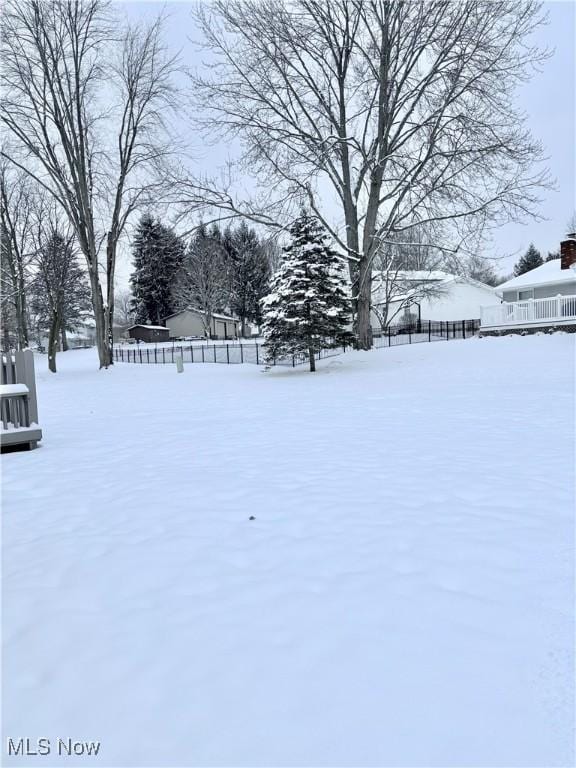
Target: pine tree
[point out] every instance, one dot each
(158, 254)
(60, 291)
(530, 260)
(308, 307)
(552, 256)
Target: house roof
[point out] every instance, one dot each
(411, 280)
(150, 327)
(548, 273)
(200, 312)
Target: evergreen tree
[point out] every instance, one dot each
(60, 291)
(552, 256)
(308, 307)
(250, 273)
(530, 260)
(158, 255)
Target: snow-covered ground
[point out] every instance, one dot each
(404, 596)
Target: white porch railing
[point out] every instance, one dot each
(529, 312)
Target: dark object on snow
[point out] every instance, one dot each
(251, 517)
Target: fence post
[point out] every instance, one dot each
(227, 354)
(241, 353)
(256, 354)
(463, 329)
(389, 342)
(192, 352)
(163, 355)
(293, 361)
(409, 334)
(148, 355)
(140, 355)
(214, 348)
(429, 331)
(202, 348)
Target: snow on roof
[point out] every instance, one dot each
(548, 273)
(151, 327)
(201, 312)
(414, 275)
(428, 275)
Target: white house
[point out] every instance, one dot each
(427, 295)
(542, 298)
(190, 322)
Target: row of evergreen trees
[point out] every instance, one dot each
(217, 271)
(305, 307)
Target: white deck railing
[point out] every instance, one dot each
(529, 312)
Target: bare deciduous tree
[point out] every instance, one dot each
(203, 280)
(86, 122)
(17, 213)
(403, 274)
(401, 112)
(124, 310)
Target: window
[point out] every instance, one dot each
(528, 294)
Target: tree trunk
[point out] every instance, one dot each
(363, 304)
(312, 359)
(243, 328)
(53, 342)
(23, 340)
(102, 343)
(6, 335)
(64, 339)
(109, 309)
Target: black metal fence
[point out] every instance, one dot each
(428, 330)
(255, 353)
(213, 353)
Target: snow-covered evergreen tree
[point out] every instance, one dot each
(158, 254)
(308, 308)
(530, 260)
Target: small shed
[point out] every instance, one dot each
(149, 333)
(191, 322)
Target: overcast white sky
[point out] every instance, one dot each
(548, 99)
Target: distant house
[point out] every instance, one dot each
(191, 322)
(148, 333)
(426, 295)
(542, 299)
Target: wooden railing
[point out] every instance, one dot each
(19, 403)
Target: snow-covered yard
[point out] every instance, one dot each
(404, 596)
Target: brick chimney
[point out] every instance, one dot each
(568, 251)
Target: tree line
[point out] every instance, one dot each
(45, 290)
(218, 270)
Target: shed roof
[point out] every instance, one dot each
(150, 327)
(201, 312)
